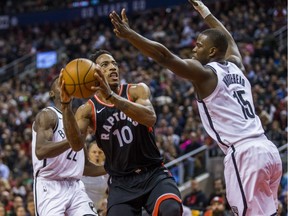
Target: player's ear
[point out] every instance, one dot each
(212, 51)
(51, 94)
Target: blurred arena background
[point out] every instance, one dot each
(38, 37)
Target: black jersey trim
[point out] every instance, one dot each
(57, 110)
(35, 193)
(127, 92)
(211, 123)
(212, 68)
(239, 181)
(45, 162)
(99, 101)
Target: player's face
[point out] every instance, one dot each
(202, 49)
(96, 155)
(55, 90)
(109, 68)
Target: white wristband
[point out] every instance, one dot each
(202, 9)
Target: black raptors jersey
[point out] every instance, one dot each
(127, 144)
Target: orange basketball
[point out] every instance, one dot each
(78, 77)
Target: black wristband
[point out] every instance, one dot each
(110, 95)
(65, 102)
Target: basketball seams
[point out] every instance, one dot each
(86, 74)
(79, 73)
(71, 77)
(78, 77)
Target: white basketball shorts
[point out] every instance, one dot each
(65, 197)
(253, 172)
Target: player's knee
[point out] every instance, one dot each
(170, 207)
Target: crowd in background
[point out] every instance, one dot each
(178, 130)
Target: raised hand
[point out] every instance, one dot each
(121, 26)
(65, 98)
(195, 2)
(200, 7)
(102, 85)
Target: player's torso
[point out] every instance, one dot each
(127, 144)
(69, 164)
(228, 114)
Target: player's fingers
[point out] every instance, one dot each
(100, 77)
(60, 77)
(117, 32)
(194, 2)
(96, 75)
(115, 17)
(123, 14)
(99, 71)
(115, 24)
(62, 84)
(95, 88)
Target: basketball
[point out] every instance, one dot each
(78, 76)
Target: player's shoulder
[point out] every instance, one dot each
(46, 117)
(46, 112)
(137, 89)
(85, 109)
(138, 86)
(237, 61)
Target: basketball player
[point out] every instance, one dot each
(57, 168)
(252, 163)
(123, 117)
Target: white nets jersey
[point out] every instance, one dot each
(228, 114)
(68, 165)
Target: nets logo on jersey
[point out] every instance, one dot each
(92, 206)
(235, 210)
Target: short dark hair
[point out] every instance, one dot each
(53, 82)
(95, 55)
(218, 39)
(52, 86)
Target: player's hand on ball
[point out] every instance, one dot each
(103, 86)
(64, 96)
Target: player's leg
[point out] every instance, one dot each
(126, 209)
(164, 199)
(248, 170)
(49, 199)
(80, 204)
(276, 172)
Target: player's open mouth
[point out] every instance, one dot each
(114, 75)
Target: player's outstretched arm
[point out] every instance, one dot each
(187, 68)
(232, 53)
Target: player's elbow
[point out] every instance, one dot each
(39, 155)
(151, 121)
(76, 147)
